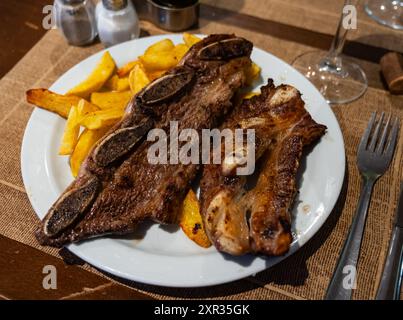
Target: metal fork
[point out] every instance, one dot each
(375, 154)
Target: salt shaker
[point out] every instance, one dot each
(76, 20)
(117, 21)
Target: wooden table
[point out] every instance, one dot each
(292, 33)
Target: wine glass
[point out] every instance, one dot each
(386, 12)
(338, 78)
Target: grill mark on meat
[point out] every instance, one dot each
(131, 189)
(282, 128)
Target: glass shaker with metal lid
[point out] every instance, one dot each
(117, 21)
(76, 20)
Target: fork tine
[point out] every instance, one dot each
(381, 144)
(367, 132)
(374, 138)
(393, 133)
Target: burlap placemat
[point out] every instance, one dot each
(306, 274)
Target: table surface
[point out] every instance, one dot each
(306, 25)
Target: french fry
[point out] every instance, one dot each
(138, 79)
(86, 141)
(111, 100)
(123, 84)
(102, 118)
(71, 132)
(190, 39)
(102, 72)
(180, 50)
(125, 70)
(111, 84)
(160, 46)
(51, 101)
(191, 221)
(84, 108)
(158, 61)
(250, 95)
(252, 73)
(117, 84)
(155, 74)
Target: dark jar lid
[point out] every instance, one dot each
(175, 3)
(72, 1)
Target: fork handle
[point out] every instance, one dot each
(389, 288)
(343, 281)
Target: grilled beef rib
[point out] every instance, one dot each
(237, 220)
(116, 187)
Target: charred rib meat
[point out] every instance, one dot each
(237, 220)
(116, 187)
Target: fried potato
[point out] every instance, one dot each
(102, 72)
(160, 46)
(138, 79)
(252, 73)
(111, 100)
(51, 101)
(111, 84)
(241, 96)
(159, 56)
(123, 84)
(190, 39)
(71, 132)
(86, 141)
(116, 84)
(102, 118)
(250, 95)
(125, 70)
(156, 74)
(159, 61)
(180, 50)
(191, 221)
(84, 108)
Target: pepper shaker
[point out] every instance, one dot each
(117, 21)
(76, 20)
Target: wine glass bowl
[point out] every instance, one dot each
(340, 82)
(386, 12)
(339, 79)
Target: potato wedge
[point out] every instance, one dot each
(159, 61)
(190, 39)
(191, 221)
(250, 95)
(180, 50)
(160, 46)
(71, 132)
(111, 100)
(51, 101)
(116, 84)
(102, 118)
(86, 141)
(138, 79)
(123, 84)
(111, 84)
(154, 75)
(84, 108)
(102, 72)
(125, 70)
(252, 73)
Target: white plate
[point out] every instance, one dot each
(165, 256)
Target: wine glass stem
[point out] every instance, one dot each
(332, 59)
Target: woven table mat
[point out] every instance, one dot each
(306, 274)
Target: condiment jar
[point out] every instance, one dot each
(76, 20)
(117, 21)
